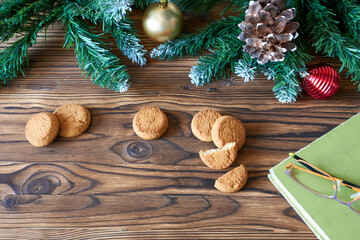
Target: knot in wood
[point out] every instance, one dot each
(211, 90)
(139, 150)
(40, 186)
(10, 201)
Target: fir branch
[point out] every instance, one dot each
(287, 86)
(327, 38)
(127, 41)
(103, 67)
(241, 5)
(284, 74)
(10, 7)
(350, 13)
(200, 6)
(24, 18)
(122, 29)
(143, 3)
(13, 57)
(113, 10)
(217, 65)
(192, 44)
(246, 68)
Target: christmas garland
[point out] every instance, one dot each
(24, 19)
(319, 28)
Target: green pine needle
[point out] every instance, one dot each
(103, 67)
(217, 65)
(246, 68)
(327, 38)
(192, 44)
(350, 15)
(13, 57)
(127, 40)
(22, 19)
(143, 3)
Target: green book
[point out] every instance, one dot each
(337, 153)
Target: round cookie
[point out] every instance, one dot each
(150, 123)
(41, 129)
(228, 129)
(202, 123)
(74, 119)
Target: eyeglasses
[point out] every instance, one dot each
(323, 184)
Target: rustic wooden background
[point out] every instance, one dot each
(108, 183)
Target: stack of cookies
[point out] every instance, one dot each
(69, 120)
(228, 134)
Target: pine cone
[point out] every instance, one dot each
(267, 31)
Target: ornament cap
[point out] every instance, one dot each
(163, 3)
(304, 74)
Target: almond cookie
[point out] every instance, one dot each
(41, 129)
(232, 181)
(220, 158)
(150, 123)
(228, 129)
(202, 123)
(74, 119)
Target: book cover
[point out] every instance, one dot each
(337, 153)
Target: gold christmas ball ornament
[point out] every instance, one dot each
(162, 21)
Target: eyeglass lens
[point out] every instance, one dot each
(323, 184)
(318, 182)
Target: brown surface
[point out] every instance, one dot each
(115, 185)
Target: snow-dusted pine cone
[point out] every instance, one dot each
(267, 31)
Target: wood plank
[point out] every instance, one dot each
(110, 184)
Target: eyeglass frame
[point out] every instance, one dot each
(317, 171)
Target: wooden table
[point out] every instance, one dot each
(109, 183)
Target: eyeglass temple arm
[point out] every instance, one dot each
(315, 172)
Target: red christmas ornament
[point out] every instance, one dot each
(321, 81)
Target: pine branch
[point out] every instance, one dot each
(192, 44)
(327, 38)
(287, 86)
(127, 41)
(143, 3)
(13, 57)
(350, 13)
(200, 6)
(246, 68)
(103, 67)
(285, 74)
(10, 7)
(217, 65)
(241, 5)
(22, 19)
(122, 29)
(111, 10)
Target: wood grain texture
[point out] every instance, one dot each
(110, 184)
